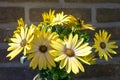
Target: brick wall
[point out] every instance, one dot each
(101, 13)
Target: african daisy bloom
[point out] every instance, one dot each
(20, 41)
(103, 46)
(39, 52)
(48, 17)
(72, 21)
(60, 19)
(84, 25)
(90, 59)
(70, 52)
(20, 24)
(79, 24)
(55, 19)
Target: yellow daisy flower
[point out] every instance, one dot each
(90, 59)
(70, 52)
(39, 50)
(103, 46)
(21, 41)
(72, 21)
(48, 17)
(52, 19)
(60, 19)
(20, 24)
(78, 24)
(84, 26)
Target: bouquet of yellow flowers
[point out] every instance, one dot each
(59, 45)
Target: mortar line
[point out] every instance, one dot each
(93, 16)
(14, 64)
(27, 16)
(61, 1)
(58, 5)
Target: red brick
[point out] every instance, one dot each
(108, 15)
(29, 0)
(11, 14)
(93, 1)
(85, 14)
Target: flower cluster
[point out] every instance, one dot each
(59, 45)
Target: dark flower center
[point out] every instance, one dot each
(43, 48)
(69, 52)
(23, 43)
(103, 45)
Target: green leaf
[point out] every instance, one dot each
(85, 36)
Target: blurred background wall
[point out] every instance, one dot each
(101, 13)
